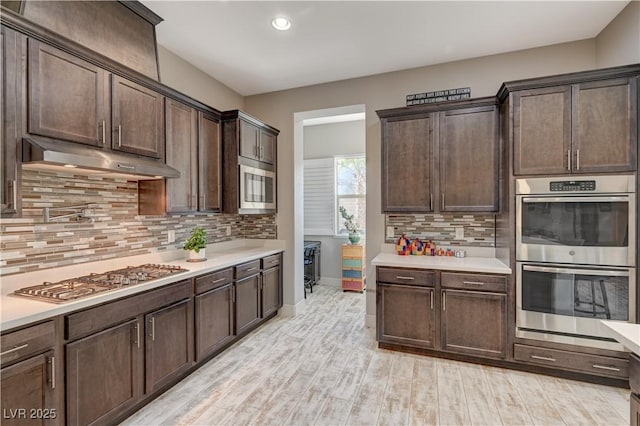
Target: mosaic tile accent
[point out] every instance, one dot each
(27, 244)
(479, 229)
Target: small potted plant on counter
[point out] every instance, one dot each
(196, 245)
(351, 225)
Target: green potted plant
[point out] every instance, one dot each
(196, 244)
(351, 225)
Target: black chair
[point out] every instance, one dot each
(309, 269)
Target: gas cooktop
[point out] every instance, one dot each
(89, 285)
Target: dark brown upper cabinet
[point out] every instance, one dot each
(257, 143)
(441, 158)
(137, 119)
(576, 123)
(68, 97)
(193, 147)
(11, 45)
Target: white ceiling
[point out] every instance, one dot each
(233, 41)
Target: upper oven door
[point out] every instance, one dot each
(593, 230)
(257, 188)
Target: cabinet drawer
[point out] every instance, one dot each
(104, 316)
(213, 280)
(634, 373)
(28, 341)
(583, 363)
(407, 276)
(494, 283)
(270, 261)
(247, 269)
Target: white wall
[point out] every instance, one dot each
(179, 74)
(322, 141)
(484, 76)
(619, 42)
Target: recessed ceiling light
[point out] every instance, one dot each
(281, 23)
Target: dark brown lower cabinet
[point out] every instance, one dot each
(168, 348)
(271, 291)
(214, 320)
(28, 390)
(406, 315)
(104, 374)
(247, 298)
(474, 323)
(634, 419)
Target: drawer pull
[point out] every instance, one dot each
(251, 269)
(543, 358)
(605, 367)
(472, 282)
(401, 277)
(219, 280)
(17, 348)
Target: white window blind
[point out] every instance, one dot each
(319, 196)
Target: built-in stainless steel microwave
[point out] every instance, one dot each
(257, 189)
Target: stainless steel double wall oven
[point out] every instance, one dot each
(575, 253)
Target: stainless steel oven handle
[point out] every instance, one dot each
(571, 199)
(598, 272)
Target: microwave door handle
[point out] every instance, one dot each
(570, 199)
(607, 273)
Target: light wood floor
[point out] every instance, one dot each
(323, 368)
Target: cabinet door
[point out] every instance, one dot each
(406, 315)
(469, 159)
(29, 385)
(137, 119)
(182, 154)
(634, 418)
(474, 323)
(542, 131)
(267, 148)
(271, 291)
(210, 170)
(406, 165)
(249, 137)
(247, 298)
(67, 96)
(168, 344)
(605, 126)
(10, 89)
(104, 374)
(214, 320)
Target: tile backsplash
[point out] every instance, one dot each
(479, 229)
(28, 244)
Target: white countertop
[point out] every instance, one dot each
(17, 311)
(624, 332)
(466, 264)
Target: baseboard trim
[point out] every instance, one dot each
(293, 310)
(370, 321)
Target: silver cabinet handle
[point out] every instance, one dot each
(401, 277)
(251, 269)
(104, 132)
(13, 188)
(443, 201)
(431, 202)
(444, 301)
(17, 348)
(431, 299)
(605, 367)
(53, 372)
(119, 135)
(472, 282)
(153, 329)
(219, 280)
(577, 159)
(569, 159)
(543, 358)
(137, 327)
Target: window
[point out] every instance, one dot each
(328, 184)
(350, 191)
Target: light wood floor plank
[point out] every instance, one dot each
(511, 407)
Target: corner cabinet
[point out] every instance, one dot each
(575, 123)
(441, 157)
(470, 309)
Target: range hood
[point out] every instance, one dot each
(44, 153)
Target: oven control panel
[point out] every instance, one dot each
(573, 185)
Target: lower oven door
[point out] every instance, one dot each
(565, 304)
